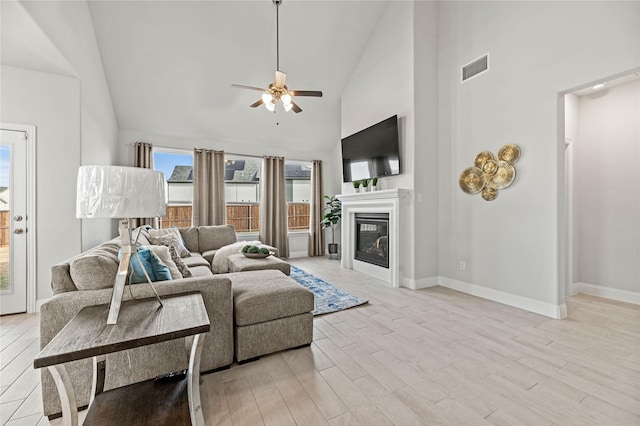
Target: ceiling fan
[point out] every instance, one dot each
(278, 91)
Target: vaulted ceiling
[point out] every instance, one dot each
(170, 65)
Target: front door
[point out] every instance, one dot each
(13, 221)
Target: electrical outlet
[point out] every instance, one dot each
(463, 265)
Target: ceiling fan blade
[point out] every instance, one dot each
(256, 103)
(316, 93)
(281, 77)
(295, 107)
(242, 86)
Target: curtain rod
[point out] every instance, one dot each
(230, 153)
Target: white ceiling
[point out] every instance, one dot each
(170, 65)
(601, 87)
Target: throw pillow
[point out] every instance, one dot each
(156, 270)
(170, 240)
(140, 235)
(169, 231)
(182, 267)
(165, 256)
(220, 263)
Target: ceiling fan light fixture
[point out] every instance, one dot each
(277, 90)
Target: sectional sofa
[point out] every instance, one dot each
(251, 313)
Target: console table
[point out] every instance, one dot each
(141, 322)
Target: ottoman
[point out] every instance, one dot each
(240, 263)
(271, 313)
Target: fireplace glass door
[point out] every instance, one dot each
(372, 238)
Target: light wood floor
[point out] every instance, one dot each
(433, 356)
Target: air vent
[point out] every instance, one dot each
(476, 67)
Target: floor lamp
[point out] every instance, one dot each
(121, 193)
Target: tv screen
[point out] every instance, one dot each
(371, 152)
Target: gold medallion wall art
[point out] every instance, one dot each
(489, 173)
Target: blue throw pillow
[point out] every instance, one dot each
(157, 270)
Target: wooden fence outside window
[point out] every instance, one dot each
(4, 228)
(244, 217)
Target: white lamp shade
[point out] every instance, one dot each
(120, 192)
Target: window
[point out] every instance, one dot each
(242, 190)
(298, 187)
(177, 166)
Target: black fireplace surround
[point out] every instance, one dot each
(372, 238)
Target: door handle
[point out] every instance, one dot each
(18, 231)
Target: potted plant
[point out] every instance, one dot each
(365, 185)
(356, 185)
(374, 183)
(332, 215)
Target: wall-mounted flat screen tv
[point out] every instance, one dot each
(374, 151)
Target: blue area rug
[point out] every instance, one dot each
(327, 297)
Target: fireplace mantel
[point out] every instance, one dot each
(391, 201)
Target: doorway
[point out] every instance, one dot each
(17, 219)
(601, 234)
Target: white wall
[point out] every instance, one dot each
(69, 27)
(51, 103)
(426, 167)
(52, 77)
(608, 187)
(510, 245)
(382, 85)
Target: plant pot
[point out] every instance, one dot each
(374, 188)
(333, 248)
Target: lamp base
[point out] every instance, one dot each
(128, 249)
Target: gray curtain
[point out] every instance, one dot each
(208, 188)
(316, 207)
(273, 205)
(143, 157)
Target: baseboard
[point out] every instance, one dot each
(420, 283)
(574, 289)
(609, 293)
(547, 309)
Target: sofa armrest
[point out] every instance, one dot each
(146, 362)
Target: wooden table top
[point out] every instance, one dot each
(141, 322)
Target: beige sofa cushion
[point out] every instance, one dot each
(214, 237)
(240, 263)
(95, 270)
(190, 238)
(195, 260)
(208, 255)
(260, 296)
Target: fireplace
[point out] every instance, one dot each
(393, 203)
(372, 238)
